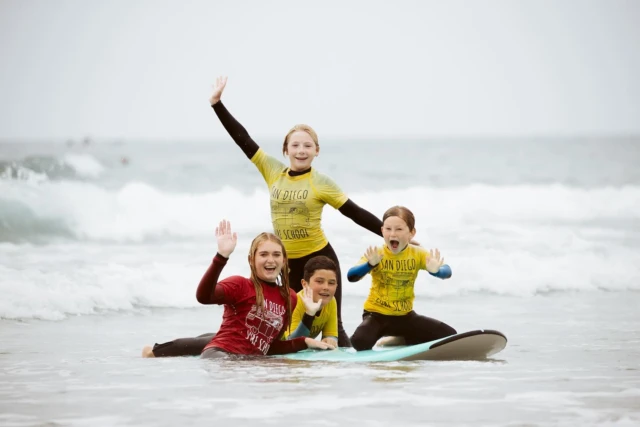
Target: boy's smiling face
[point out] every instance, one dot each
(323, 283)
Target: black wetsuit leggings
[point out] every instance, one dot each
(194, 346)
(415, 329)
(296, 274)
(183, 346)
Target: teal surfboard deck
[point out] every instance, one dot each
(472, 345)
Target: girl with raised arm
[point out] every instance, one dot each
(298, 194)
(257, 309)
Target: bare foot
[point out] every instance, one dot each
(147, 351)
(390, 341)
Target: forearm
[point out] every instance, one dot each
(304, 327)
(443, 273)
(236, 130)
(359, 271)
(362, 217)
(290, 346)
(207, 292)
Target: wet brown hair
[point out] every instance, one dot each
(319, 262)
(403, 213)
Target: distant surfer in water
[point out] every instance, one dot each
(314, 313)
(388, 310)
(298, 194)
(257, 309)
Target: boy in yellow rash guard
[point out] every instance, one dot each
(316, 310)
(388, 309)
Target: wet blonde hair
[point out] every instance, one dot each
(284, 273)
(403, 213)
(301, 127)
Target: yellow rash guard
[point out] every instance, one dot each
(297, 203)
(392, 280)
(326, 322)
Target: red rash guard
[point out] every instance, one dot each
(246, 328)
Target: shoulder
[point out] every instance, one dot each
(414, 250)
(330, 308)
(321, 179)
(237, 288)
(329, 312)
(240, 280)
(236, 280)
(418, 249)
(418, 253)
(262, 158)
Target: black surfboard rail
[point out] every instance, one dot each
(468, 334)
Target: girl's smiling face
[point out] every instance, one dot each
(301, 149)
(268, 261)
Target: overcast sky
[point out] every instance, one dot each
(143, 69)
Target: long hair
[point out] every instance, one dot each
(284, 273)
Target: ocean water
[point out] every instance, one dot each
(102, 245)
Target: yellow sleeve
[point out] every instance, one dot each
(269, 167)
(331, 327)
(296, 317)
(329, 192)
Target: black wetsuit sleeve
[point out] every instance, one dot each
(362, 217)
(307, 320)
(236, 130)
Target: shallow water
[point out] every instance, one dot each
(99, 257)
(571, 359)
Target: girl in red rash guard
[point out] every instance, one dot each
(257, 309)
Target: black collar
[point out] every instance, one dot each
(298, 173)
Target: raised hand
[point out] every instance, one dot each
(373, 255)
(311, 308)
(311, 343)
(221, 82)
(226, 239)
(434, 262)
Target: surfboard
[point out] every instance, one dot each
(472, 345)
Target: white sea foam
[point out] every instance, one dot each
(138, 246)
(138, 211)
(84, 165)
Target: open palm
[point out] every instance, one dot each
(435, 261)
(310, 306)
(373, 255)
(226, 239)
(218, 88)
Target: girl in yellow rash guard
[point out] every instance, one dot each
(388, 310)
(298, 194)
